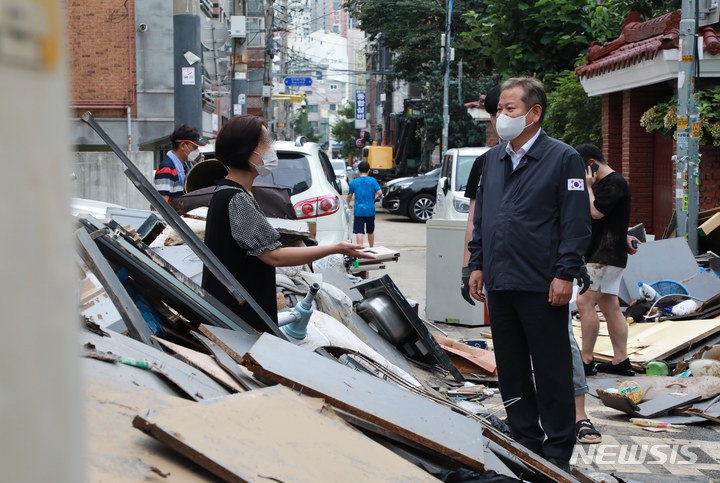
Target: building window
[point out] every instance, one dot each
(333, 87)
(333, 107)
(312, 108)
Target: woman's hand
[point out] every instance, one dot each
(353, 250)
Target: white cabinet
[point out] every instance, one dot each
(443, 302)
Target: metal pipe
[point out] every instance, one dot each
(129, 128)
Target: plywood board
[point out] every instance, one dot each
(655, 340)
(234, 343)
(203, 362)
(273, 434)
(193, 382)
(483, 359)
(241, 375)
(116, 452)
(410, 415)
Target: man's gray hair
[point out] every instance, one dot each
(533, 92)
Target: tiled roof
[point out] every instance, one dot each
(642, 40)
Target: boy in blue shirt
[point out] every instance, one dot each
(366, 190)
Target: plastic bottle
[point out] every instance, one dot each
(647, 292)
(686, 307)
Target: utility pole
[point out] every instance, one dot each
(459, 82)
(238, 82)
(687, 159)
(446, 79)
(283, 62)
(267, 76)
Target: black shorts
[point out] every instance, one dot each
(362, 222)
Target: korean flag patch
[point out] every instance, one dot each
(575, 184)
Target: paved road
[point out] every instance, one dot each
(621, 440)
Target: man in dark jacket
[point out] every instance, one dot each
(531, 229)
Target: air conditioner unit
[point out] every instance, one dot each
(238, 27)
(709, 13)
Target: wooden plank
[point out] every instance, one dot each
(203, 362)
(412, 416)
(116, 452)
(483, 359)
(192, 382)
(656, 340)
(710, 225)
(234, 343)
(240, 374)
(273, 434)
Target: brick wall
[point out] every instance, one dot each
(637, 155)
(491, 135)
(612, 132)
(709, 177)
(102, 55)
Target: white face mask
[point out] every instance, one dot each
(270, 162)
(193, 155)
(508, 128)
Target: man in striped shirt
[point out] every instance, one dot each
(170, 174)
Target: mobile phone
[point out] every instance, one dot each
(593, 166)
(634, 244)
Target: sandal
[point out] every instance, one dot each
(585, 428)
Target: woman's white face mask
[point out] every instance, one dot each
(270, 162)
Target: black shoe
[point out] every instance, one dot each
(622, 369)
(562, 464)
(590, 369)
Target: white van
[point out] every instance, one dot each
(451, 203)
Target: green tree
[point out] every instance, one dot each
(343, 130)
(302, 126)
(411, 29)
(572, 115)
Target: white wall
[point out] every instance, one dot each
(101, 176)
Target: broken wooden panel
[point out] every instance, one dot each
(239, 373)
(654, 340)
(193, 382)
(234, 343)
(482, 360)
(412, 416)
(203, 362)
(115, 451)
(273, 434)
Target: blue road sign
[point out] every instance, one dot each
(298, 81)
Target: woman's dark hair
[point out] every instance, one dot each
(237, 139)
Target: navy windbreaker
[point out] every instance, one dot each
(532, 224)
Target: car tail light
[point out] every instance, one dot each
(316, 207)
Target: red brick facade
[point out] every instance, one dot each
(491, 135)
(102, 56)
(644, 158)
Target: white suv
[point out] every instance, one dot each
(314, 190)
(451, 203)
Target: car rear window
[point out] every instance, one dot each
(293, 172)
(464, 165)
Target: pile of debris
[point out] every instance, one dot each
(672, 301)
(180, 388)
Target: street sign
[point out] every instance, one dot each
(298, 81)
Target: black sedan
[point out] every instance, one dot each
(413, 197)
